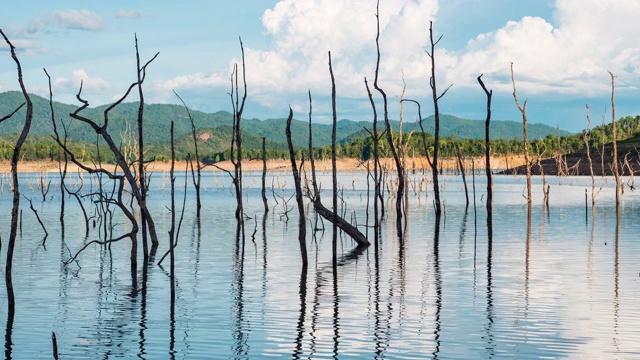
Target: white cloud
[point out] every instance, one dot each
(302, 33)
(571, 56)
(566, 55)
(89, 84)
(75, 19)
(132, 14)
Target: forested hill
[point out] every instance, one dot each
(122, 120)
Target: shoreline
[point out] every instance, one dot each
(344, 164)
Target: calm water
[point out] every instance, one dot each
(566, 286)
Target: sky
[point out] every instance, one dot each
(562, 52)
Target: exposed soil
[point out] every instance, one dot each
(345, 164)
(578, 163)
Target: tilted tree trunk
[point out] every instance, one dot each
(462, 172)
(302, 227)
(320, 209)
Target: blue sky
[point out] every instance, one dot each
(561, 52)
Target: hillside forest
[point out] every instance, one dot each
(214, 133)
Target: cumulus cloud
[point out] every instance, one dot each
(571, 56)
(132, 14)
(302, 32)
(568, 54)
(89, 84)
(75, 19)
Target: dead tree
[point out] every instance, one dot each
(14, 178)
(436, 114)
(172, 230)
(141, 72)
(236, 137)
(392, 146)
(587, 139)
(545, 188)
(264, 176)
(320, 209)
(302, 227)
(334, 170)
(376, 167)
(62, 169)
(462, 172)
(614, 165)
(121, 161)
(487, 146)
(196, 176)
(114, 198)
(402, 147)
(525, 140)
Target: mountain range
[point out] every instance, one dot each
(158, 117)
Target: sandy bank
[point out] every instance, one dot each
(280, 164)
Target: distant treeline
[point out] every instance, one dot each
(38, 147)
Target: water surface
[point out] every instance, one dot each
(560, 283)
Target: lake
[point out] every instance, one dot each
(561, 283)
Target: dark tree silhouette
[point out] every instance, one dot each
(436, 112)
(302, 228)
(399, 166)
(11, 302)
(487, 146)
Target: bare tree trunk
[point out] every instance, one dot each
(314, 182)
(392, 147)
(197, 177)
(462, 172)
(172, 231)
(264, 176)
(11, 302)
(487, 147)
(436, 135)
(320, 209)
(525, 140)
(302, 227)
(587, 137)
(141, 169)
(614, 131)
(238, 108)
(334, 171)
(376, 176)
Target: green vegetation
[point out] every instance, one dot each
(214, 134)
